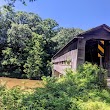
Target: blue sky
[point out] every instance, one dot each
(83, 14)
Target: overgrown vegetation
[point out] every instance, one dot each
(27, 43)
(81, 90)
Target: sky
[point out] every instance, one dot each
(84, 14)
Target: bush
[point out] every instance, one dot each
(79, 90)
(96, 105)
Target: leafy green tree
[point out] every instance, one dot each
(64, 35)
(14, 54)
(31, 19)
(24, 52)
(6, 18)
(33, 64)
(48, 32)
(18, 35)
(17, 32)
(11, 64)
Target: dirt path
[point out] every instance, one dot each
(23, 83)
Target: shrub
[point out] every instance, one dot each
(96, 105)
(79, 90)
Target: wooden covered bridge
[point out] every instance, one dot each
(83, 47)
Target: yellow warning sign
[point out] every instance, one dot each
(101, 48)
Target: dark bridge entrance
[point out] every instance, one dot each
(91, 53)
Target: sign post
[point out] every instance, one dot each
(101, 51)
(101, 55)
(101, 65)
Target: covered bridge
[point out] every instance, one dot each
(83, 47)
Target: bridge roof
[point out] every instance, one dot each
(81, 35)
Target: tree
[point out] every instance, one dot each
(6, 18)
(48, 31)
(28, 43)
(33, 64)
(28, 47)
(11, 2)
(64, 35)
(18, 35)
(45, 28)
(14, 55)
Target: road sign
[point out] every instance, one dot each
(101, 48)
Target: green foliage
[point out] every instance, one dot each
(13, 53)
(26, 44)
(11, 99)
(18, 35)
(91, 73)
(10, 63)
(79, 90)
(64, 35)
(33, 63)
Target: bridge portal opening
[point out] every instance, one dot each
(91, 53)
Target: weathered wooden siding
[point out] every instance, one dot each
(72, 46)
(81, 52)
(68, 60)
(61, 68)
